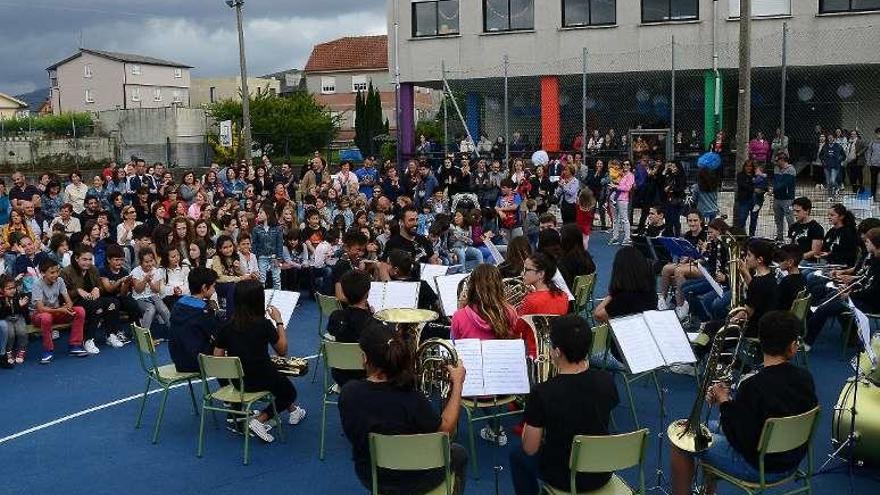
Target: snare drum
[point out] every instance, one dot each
(867, 428)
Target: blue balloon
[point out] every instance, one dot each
(710, 160)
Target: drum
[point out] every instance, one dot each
(867, 428)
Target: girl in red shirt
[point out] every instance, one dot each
(547, 298)
(586, 209)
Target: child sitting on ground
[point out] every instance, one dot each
(13, 316)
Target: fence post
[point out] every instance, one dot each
(506, 118)
(584, 105)
(672, 101)
(445, 108)
(75, 147)
(784, 77)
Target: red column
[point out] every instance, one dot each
(550, 119)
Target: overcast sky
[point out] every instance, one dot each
(279, 34)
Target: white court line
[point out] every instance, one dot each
(100, 407)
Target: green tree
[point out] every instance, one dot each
(368, 121)
(293, 125)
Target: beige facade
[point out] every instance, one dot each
(10, 107)
(94, 81)
(209, 90)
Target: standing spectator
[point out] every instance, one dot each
(783, 194)
(674, 186)
(75, 192)
(779, 144)
(831, 156)
(855, 161)
(567, 193)
(706, 193)
(744, 199)
(759, 148)
(619, 198)
(872, 156)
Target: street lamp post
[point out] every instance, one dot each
(245, 95)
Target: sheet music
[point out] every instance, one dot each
(493, 250)
(394, 294)
(447, 289)
(470, 354)
(863, 327)
(504, 367)
(670, 337)
(636, 343)
(284, 300)
(709, 278)
(560, 282)
(429, 272)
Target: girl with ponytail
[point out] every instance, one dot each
(486, 314)
(841, 243)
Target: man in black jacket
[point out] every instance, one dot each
(779, 389)
(193, 323)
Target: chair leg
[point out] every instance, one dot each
(140, 416)
(201, 431)
(247, 434)
(161, 413)
(192, 395)
(318, 359)
(279, 422)
(323, 424)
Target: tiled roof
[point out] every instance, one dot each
(122, 57)
(349, 53)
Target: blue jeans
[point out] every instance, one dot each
(743, 211)
(693, 290)
(724, 457)
(4, 329)
(832, 178)
(468, 253)
(816, 323)
(267, 263)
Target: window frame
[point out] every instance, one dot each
(87, 71)
(89, 97)
(436, 4)
(325, 88)
(850, 10)
(157, 94)
(176, 96)
(696, 16)
(178, 73)
(757, 16)
(135, 69)
(509, 29)
(136, 94)
(365, 82)
(589, 4)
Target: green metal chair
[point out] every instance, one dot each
(584, 287)
(848, 324)
(339, 355)
(475, 407)
(599, 350)
(326, 306)
(603, 454)
(165, 376)
(412, 453)
(229, 368)
(779, 435)
(800, 307)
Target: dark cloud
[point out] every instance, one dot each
(279, 34)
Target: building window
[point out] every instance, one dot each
(157, 94)
(135, 70)
(831, 6)
(178, 72)
(358, 83)
(508, 15)
(175, 96)
(588, 12)
(670, 10)
(87, 70)
(212, 94)
(90, 98)
(434, 17)
(763, 8)
(328, 85)
(135, 94)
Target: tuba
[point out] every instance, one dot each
(733, 247)
(431, 360)
(542, 368)
(690, 434)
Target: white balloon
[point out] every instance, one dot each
(846, 91)
(805, 93)
(540, 157)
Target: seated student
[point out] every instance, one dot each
(656, 225)
(788, 258)
(387, 402)
(777, 390)
(866, 298)
(841, 243)
(51, 306)
(354, 244)
(193, 326)
(547, 221)
(227, 265)
(400, 267)
(141, 239)
(679, 271)
(346, 324)
(698, 293)
(116, 283)
(147, 280)
(175, 268)
(762, 294)
(293, 260)
(13, 318)
(485, 314)
(248, 335)
(517, 251)
(84, 284)
(577, 401)
(546, 298)
(631, 289)
(805, 231)
(575, 260)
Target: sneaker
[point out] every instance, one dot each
(613, 242)
(90, 347)
(259, 429)
(75, 350)
(683, 311)
(122, 337)
(298, 414)
(10, 358)
(113, 341)
(499, 438)
(56, 334)
(234, 426)
(47, 357)
(19, 357)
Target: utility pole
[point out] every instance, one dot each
(245, 94)
(744, 97)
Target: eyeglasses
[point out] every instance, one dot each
(527, 269)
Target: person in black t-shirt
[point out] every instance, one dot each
(632, 287)
(406, 239)
(387, 402)
(805, 232)
(841, 243)
(761, 293)
(402, 268)
(346, 324)
(354, 244)
(779, 389)
(248, 336)
(789, 257)
(577, 401)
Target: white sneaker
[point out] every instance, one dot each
(298, 414)
(90, 347)
(56, 335)
(114, 341)
(661, 304)
(259, 429)
(122, 338)
(683, 311)
(499, 438)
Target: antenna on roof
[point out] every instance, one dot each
(81, 46)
